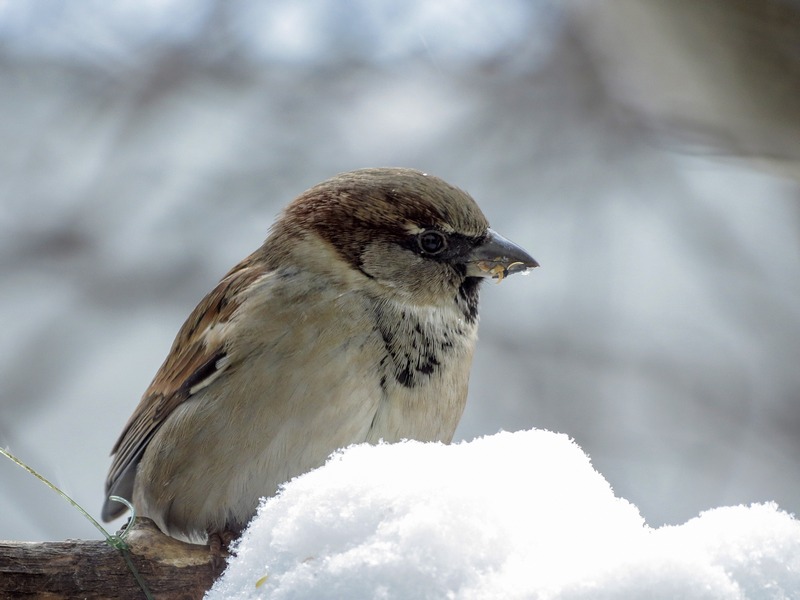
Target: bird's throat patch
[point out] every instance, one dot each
(415, 349)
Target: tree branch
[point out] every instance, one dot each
(93, 569)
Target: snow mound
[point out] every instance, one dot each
(514, 515)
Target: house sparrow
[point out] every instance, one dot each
(355, 321)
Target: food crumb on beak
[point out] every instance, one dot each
(500, 271)
(496, 271)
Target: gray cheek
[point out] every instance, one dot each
(392, 265)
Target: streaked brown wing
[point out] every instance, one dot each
(197, 358)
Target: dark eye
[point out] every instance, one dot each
(431, 241)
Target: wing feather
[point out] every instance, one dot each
(198, 357)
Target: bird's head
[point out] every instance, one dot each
(397, 233)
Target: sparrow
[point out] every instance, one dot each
(355, 321)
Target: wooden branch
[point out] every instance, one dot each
(93, 569)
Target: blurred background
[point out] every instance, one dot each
(646, 152)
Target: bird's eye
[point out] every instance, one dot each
(431, 241)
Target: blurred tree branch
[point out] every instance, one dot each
(724, 73)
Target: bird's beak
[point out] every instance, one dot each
(498, 257)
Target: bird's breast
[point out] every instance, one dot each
(328, 367)
(426, 354)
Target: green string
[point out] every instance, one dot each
(115, 541)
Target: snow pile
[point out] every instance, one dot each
(514, 515)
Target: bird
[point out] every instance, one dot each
(354, 322)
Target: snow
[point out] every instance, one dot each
(513, 515)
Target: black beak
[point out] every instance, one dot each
(498, 257)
